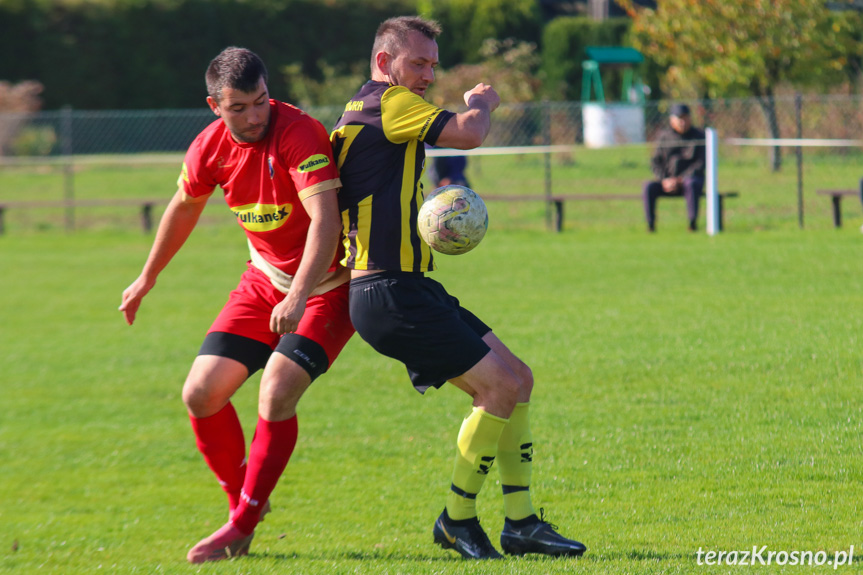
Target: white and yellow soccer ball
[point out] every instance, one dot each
(452, 220)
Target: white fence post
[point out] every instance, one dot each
(711, 187)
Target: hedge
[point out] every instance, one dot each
(128, 55)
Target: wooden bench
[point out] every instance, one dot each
(558, 201)
(146, 206)
(836, 197)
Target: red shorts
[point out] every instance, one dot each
(326, 320)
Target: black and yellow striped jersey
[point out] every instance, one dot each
(378, 146)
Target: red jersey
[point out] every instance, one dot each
(265, 182)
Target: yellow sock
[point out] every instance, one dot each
(477, 448)
(515, 461)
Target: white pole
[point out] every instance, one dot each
(711, 187)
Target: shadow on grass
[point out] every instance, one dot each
(641, 555)
(378, 555)
(355, 556)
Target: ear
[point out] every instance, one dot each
(383, 61)
(214, 106)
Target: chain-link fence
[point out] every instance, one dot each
(609, 151)
(77, 132)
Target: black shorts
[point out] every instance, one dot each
(309, 354)
(413, 319)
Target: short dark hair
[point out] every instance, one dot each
(235, 68)
(392, 34)
(678, 110)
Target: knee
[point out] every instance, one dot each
(696, 185)
(505, 395)
(650, 188)
(518, 387)
(211, 383)
(197, 398)
(204, 396)
(281, 391)
(525, 376)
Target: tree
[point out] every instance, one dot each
(336, 86)
(510, 66)
(564, 47)
(17, 103)
(720, 49)
(844, 38)
(467, 24)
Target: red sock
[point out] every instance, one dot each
(220, 440)
(268, 456)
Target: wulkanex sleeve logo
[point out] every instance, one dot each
(262, 217)
(184, 175)
(313, 163)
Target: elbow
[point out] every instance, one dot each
(334, 230)
(475, 141)
(469, 141)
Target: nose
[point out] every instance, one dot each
(428, 75)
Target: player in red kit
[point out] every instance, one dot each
(275, 166)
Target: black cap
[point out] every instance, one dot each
(679, 110)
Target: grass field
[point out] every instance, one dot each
(692, 393)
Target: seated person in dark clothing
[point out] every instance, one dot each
(678, 166)
(448, 170)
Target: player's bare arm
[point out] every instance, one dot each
(469, 129)
(176, 225)
(321, 242)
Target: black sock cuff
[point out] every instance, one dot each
(459, 522)
(461, 492)
(507, 489)
(530, 520)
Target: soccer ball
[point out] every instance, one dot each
(452, 220)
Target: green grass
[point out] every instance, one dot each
(691, 392)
